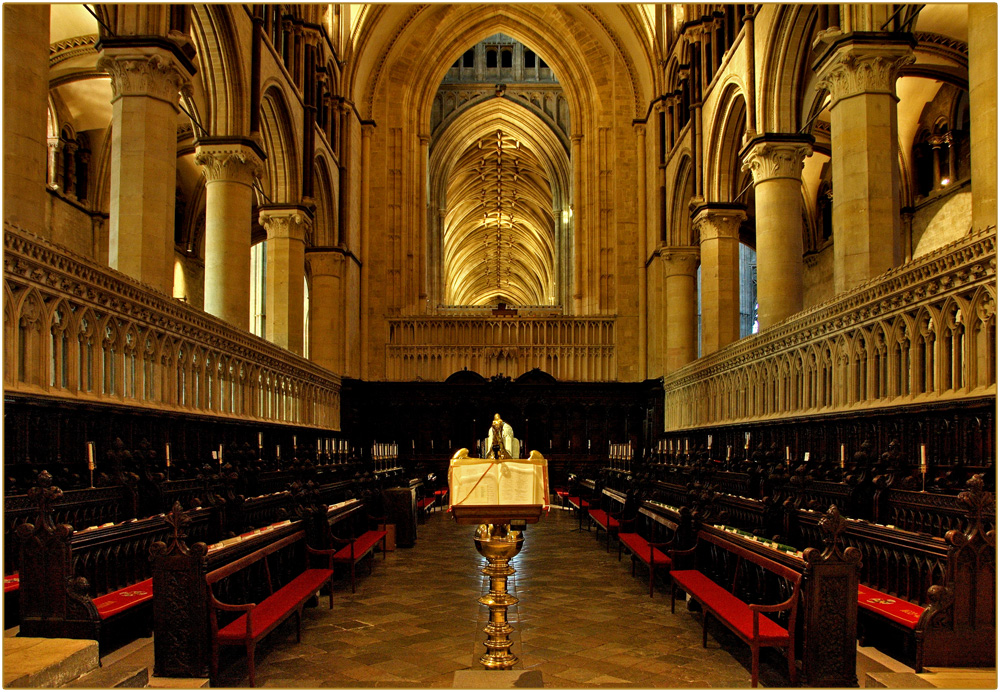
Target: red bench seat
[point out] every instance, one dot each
(11, 582)
(649, 553)
(604, 522)
(358, 548)
(121, 600)
(272, 610)
(729, 608)
(896, 609)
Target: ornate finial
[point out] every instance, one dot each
(44, 495)
(178, 520)
(975, 499)
(833, 526)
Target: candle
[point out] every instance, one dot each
(215, 455)
(220, 455)
(842, 453)
(277, 452)
(588, 445)
(685, 445)
(923, 458)
(747, 443)
(168, 455)
(260, 439)
(90, 456)
(788, 453)
(710, 442)
(729, 452)
(805, 457)
(295, 442)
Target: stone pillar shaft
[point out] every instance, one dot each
(777, 173)
(25, 103)
(983, 112)
(326, 305)
(643, 234)
(145, 82)
(718, 231)
(680, 265)
(286, 234)
(229, 171)
(860, 74)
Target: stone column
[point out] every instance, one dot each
(718, 227)
(983, 112)
(680, 266)
(859, 71)
(286, 228)
(364, 213)
(643, 233)
(576, 214)
(145, 83)
(25, 104)
(326, 321)
(230, 168)
(776, 164)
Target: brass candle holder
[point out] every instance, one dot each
(498, 544)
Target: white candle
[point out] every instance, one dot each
(709, 441)
(277, 452)
(260, 439)
(747, 444)
(923, 458)
(842, 452)
(685, 445)
(295, 441)
(215, 455)
(729, 452)
(168, 455)
(588, 445)
(805, 457)
(90, 456)
(788, 453)
(220, 455)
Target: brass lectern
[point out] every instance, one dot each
(501, 496)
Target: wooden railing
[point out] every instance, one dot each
(924, 332)
(78, 330)
(568, 348)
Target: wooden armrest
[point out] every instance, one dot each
(247, 607)
(320, 551)
(674, 553)
(759, 608)
(660, 545)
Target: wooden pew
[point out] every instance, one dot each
(89, 584)
(281, 602)
(938, 593)
(720, 590)
(181, 605)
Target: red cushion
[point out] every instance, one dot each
(576, 502)
(728, 607)
(562, 493)
(640, 548)
(11, 582)
(426, 502)
(362, 545)
(896, 609)
(123, 599)
(275, 607)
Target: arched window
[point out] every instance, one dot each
(506, 58)
(491, 57)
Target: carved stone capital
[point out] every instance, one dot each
(285, 222)
(228, 163)
(326, 262)
(768, 160)
(851, 69)
(151, 72)
(639, 129)
(713, 223)
(680, 261)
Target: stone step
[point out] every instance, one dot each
(178, 683)
(46, 662)
(117, 675)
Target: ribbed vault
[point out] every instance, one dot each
(498, 240)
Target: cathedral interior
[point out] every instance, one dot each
(730, 269)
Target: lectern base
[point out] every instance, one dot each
(498, 544)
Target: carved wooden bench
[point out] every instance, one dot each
(746, 620)
(353, 550)
(259, 619)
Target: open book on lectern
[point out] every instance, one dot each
(491, 482)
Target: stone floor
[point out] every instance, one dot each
(583, 621)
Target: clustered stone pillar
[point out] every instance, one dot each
(286, 228)
(230, 169)
(643, 234)
(718, 228)
(326, 308)
(25, 102)
(776, 164)
(680, 266)
(983, 112)
(145, 81)
(860, 73)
